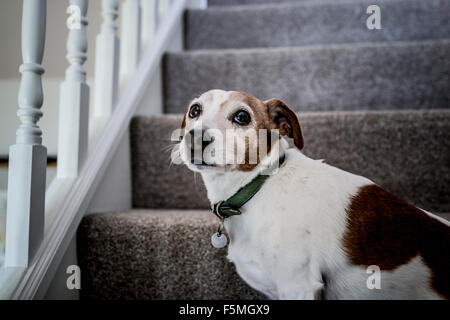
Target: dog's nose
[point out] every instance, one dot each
(199, 139)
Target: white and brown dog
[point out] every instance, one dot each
(312, 230)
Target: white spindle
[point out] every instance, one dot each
(106, 62)
(130, 48)
(163, 6)
(149, 21)
(74, 96)
(28, 157)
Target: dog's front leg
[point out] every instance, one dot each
(304, 289)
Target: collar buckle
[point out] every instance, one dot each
(216, 209)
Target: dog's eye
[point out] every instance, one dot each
(241, 117)
(194, 111)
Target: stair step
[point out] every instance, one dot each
(248, 2)
(155, 254)
(393, 75)
(315, 22)
(405, 152)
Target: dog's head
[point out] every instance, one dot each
(231, 130)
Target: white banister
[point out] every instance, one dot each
(149, 22)
(28, 157)
(130, 38)
(163, 6)
(68, 199)
(74, 96)
(106, 62)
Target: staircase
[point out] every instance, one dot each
(372, 102)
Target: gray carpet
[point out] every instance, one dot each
(316, 22)
(248, 2)
(404, 75)
(408, 153)
(155, 254)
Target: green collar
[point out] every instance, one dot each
(231, 206)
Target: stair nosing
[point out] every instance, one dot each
(268, 6)
(349, 45)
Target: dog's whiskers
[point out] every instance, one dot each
(175, 156)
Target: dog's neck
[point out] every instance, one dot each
(223, 185)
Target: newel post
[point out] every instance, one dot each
(74, 96)
(106, 62)
(28, 157)
(130, 37)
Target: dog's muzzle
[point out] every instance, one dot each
(197, 140)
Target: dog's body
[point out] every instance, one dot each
(313, 230)
(289, 242)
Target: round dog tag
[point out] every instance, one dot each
(219, 240)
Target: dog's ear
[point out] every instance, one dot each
(285, 120)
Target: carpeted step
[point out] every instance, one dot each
(406, 152)
(315, 22)
(248, 2)
(395, 75)
(155, 254)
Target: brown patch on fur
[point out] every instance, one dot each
(262, 120)
(269, 115)
(385, 231)
(259, 110)
(183, 125)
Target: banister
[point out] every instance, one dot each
(74, 97)
(130, 48)
(69, 195)
(148, 22)
(106, 64)
(28, 157)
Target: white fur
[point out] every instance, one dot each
(289, 235)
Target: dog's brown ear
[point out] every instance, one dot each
(285, 120)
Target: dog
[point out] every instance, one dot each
(311, 231)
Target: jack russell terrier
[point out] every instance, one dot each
(299, 228)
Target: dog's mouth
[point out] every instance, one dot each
(197, 161)
(201, 165)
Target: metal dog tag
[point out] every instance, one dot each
(219, 240)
